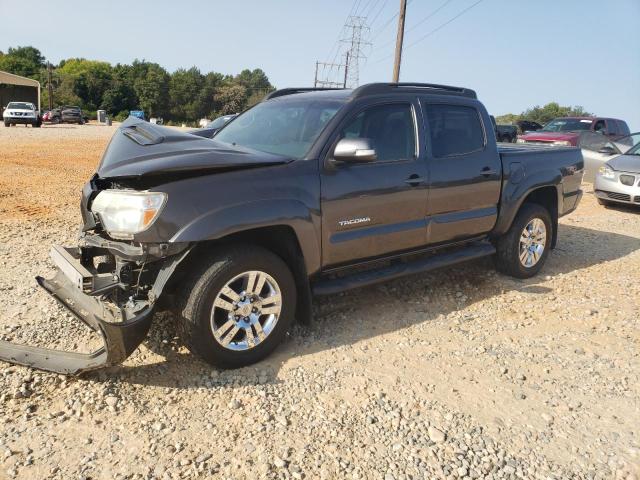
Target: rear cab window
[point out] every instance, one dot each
(454, 129)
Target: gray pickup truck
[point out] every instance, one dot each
(309, 192)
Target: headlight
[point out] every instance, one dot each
(562, 143)
(606, 171)
(521, 140)
(124, 213)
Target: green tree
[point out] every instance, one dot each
(23, 61)
(231, 99)
(152, 89)
(184, 89)
(544, 114)
(91, 79)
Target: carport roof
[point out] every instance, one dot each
(11, 79)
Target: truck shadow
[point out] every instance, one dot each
(357, 315)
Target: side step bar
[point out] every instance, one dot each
(370, 277)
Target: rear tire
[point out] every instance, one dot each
(521, 252)
(230, 269)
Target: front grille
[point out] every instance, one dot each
(619, 196)
(627, 180)
(637, 199)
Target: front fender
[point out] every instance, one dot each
(220, 223)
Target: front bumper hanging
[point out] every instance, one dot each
(122, 332)
(120, 339)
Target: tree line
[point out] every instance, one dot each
(543, 114)
(184, 95)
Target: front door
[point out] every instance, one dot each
(465, 172)
(373, 209)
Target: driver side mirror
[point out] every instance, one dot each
(607, 150)
(355, 150)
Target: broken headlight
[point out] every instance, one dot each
(124, 213)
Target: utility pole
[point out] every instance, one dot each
(399, 40)
(346, 70)
(315, 79)
(49, 86)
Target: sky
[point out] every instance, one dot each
(516, 54)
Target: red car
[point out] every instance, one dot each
(575, 131)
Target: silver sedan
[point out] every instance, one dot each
(618, 180)
(596, 154)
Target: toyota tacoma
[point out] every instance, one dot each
(310, 192)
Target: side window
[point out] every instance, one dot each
(390, 129)
(599, 126)
(454, 129)
(623, 129)
(612, 127)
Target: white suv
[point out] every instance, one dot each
(21, 112)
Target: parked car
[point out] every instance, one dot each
(71, 114)
(618, 180)
(52, 116)
(504, 133)
(596, 155)
(213, 127)
(576, 131)
(525, 126)
(308, 192)
(24, 113)
(137, 114)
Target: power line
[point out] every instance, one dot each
(384, 4)
(437, 29)
(447, 2)
(444, 24)
(388, 22)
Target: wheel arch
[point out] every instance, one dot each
(280, 239)
(547, 195)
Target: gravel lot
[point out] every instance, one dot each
(462, 373)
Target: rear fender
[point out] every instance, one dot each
(515, 194)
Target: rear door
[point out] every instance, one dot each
(377, 208)
(465, 171)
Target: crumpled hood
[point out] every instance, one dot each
(139, 148)
(550, 136)
(626, 163)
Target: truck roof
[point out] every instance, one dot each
(375, 89)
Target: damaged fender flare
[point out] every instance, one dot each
(121, 339)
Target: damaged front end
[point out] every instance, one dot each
(112, 287)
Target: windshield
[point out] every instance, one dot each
(20, 105)
(567, 125)
(283, 127)
(219, 122)
(634, 138)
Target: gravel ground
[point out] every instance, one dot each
(462, 373)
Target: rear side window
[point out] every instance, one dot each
(454, 129)
(623, 129)
(612, 127)
(389, 127)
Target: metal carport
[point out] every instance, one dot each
(14, 88)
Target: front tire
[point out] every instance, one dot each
(604, 203)
(523, 250)
(238, 307)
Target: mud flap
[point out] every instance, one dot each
(120, 338)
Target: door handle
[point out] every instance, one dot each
(414, 180)
(487, 172)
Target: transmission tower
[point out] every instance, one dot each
(355, 44)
